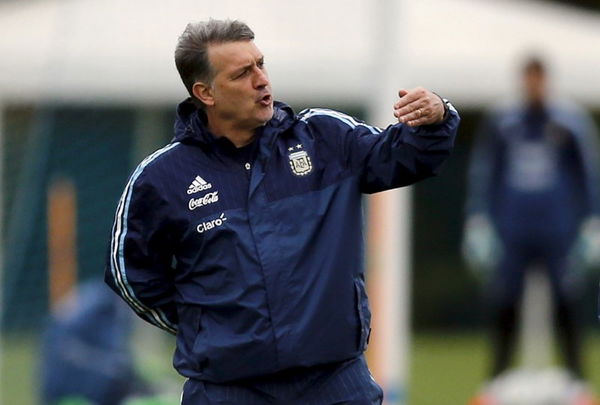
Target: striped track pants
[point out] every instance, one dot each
(349, 382)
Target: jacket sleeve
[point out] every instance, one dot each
(483, 167)
(586, 138)
(384, 159)
(139, 260)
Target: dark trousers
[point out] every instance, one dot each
(349, 382)
(551, 253)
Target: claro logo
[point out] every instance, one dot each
(207, 226)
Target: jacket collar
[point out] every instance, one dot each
(191, 124)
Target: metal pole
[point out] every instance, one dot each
(389, 220)
(2, 239)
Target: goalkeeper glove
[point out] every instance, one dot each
(481, 247)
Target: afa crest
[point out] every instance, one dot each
(300, 163)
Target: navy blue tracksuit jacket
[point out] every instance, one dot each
(253, 257)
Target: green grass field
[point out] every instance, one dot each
(450, 368)
(17, 375)
(445, 368)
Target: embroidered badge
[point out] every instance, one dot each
(300, 162)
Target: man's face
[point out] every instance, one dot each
(534, 83)
(241, 89)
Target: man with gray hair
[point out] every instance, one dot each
(243, 236)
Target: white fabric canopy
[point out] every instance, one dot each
(122, 51)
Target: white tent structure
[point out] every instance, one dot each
(316, 50)
(351, 52)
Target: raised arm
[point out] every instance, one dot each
(399, 155)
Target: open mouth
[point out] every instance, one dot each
(266, 100)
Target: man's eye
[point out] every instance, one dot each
(244, 73)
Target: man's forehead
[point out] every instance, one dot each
(233, 54)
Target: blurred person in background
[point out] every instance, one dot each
(534, 201)
(244, 235)
(87, 358)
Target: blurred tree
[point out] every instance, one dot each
(589, 4)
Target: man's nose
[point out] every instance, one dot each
(261, 79)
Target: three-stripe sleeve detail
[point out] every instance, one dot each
(119, 231)
(346, 119)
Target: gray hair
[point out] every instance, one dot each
(191, 53)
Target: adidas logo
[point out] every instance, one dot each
(199, 184)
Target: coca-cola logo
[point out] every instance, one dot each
(208, 198)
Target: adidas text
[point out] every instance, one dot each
(199, 187)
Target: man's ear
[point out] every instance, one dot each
(204, 93)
